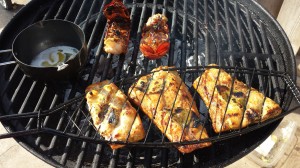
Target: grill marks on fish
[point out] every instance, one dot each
(112, 114)
(232, 104)
(169, 104)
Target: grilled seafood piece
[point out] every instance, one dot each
(217, 90)
(163, 97)
(155, 41)
(118, 29)
(112, 113)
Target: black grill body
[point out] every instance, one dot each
(230, 33)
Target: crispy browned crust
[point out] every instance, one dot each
(168, 83)
(112, 113)
(118, 28)
(256, 107)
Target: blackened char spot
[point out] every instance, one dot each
(178, 110)
(238, 94)
(118, 33)
(102, 113)
(112, 117)
(224, 91)
(141, 86)
(110, 9)
(251, 114)
(222, 88)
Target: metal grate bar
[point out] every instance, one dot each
(72, 7)
(206, 34)
(64, 156)
(94, 5)
(61, 10)
(26, 98)
(42, 96)
(250, 27)
(54, 138)
(138, 38)
(239, 27)
(97, 58)
(241, 39)
(114, 158)
(165, 3)
(72, 130)
(180, 160)
(195, 33)
(98, 52)
(51, 10)
(154, 7)
(120, 68)
(184, 36)
(172, 35)
(98, 153)
(82, 151)
(18, 89)
(269, 62)
(96, 27)
(229, 32)
(12, 75)
(130, 158)
(254, 45)
(80, 12)
(217, 29)
(38, 140)
(107, 65)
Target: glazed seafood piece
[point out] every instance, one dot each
(118, 29)
(165, 99)
(155, 40)
(112, 114)
(245, 106)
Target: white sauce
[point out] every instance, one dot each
(54, 56)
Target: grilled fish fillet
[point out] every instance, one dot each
(112, 113)
(258, 106)
(168, 84)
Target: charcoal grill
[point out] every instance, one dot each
(51, 121)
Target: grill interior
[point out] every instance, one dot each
(230, 33)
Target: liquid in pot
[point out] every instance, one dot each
(54, 56)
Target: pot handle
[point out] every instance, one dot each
(5, 51)
(62, 66)
(8, 62)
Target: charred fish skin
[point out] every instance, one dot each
(112, 114)
(165, 99)
(246, 105)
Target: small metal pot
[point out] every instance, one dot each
(43, 35)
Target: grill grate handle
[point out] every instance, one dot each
(292, 86)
